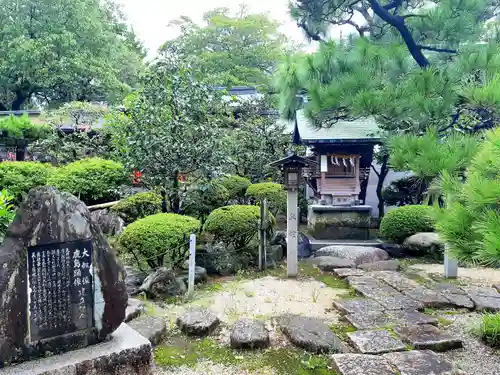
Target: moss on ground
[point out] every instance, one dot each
(181, 351)
(341, 330)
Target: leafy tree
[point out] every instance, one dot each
(230, 50)
(253, 140)
(60, 51)
(170, 128)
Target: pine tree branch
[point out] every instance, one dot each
(309, 33)
(435, 49)
(414, 15)
(393, 5)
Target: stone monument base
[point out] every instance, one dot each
(127, 353)
(329, 222)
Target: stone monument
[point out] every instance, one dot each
(61, 286)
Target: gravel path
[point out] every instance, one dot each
(475, 358)
(485, 276)
(210, 368)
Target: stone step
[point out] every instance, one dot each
(375, 342)
(150, 327)
(426, 336)
(318, 244)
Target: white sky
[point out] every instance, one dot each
(150, 18)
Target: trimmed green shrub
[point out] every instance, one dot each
(403, 222)
(18, 177)
(236, 187)
(7, 212)
(22, 127)
(138, 206)
(93, 180)
(489, 330)
(274, 193)
(470, 221)
(202, 199)
(235, 225)
(158, 239)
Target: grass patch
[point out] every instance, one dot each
(181, 351)
(442, 322)
(489, 330)
(341, 330)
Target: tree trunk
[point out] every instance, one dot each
(384, 170)
(175, 202)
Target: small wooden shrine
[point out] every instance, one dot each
(344, 154)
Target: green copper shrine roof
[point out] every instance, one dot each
(363, 129)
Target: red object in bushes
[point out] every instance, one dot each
(137, 177)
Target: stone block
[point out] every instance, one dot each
(427, 336)
(135, 308)
(382, 265)
(357, 305)
(361, 364)
(198, 322)
(368, 320)
(127, 353)
(329, 263)
(150, 327)
(346, 272)
(358, 254)
(375, 342)
(249, 334)
(417, 362)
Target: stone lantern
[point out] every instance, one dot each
(291, 167)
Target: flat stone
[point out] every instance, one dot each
(150, 327)
(134, 309)
(198, 322)
(200, 275)
(482, 292)
(448, 288)
(311, 334)
(368, 320)
(162, 284)
(249, 334)
(427, 336)
(417, 362)
(383, 265)
(345, 272)
(361, 364)
(486, 304)
(127, 353)
(398, 302)
(375, 342)
(329, 263)
(358, 254)
(460, 300)
(357, 305)
(408, 317)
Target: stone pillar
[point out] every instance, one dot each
(292, 233)
(450, 265)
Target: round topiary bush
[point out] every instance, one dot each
(18, 177)
(403, 222)
(274, 193)
(158, 239)
(235, 225)
(92, 180)
(202, 199)
(236, 187)
(138, 206)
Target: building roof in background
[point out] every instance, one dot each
(363, 129)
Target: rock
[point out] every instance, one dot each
(48, 216)
(362, 364)
(486, 304)
(375, 342)
(454, 294)
(310, 334)
(409, 317)
(426, 336)
(357, 305)
(379, 319)
(198, 322)
(424, 243)
(394, 250)
(249, 334)
(383, 265)
(417, 362)
(221, 260)
(482, 292)
(274, 254)
(328, 264)
(134, 309)
(304, 249)
(162, 284)
(346, 272)
(150, 327)
(200, 275)
(358, 254)
(133, 280)
(110, 223)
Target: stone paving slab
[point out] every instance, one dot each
(345, 272)
(460, 300)
(417, 362)
(328, 263)
(375, 342)
(361, 364)
(426, 336)
(379, 319)
(486, 304)
(482, 292)
(357, 305)
(409, 317)
(450, 288)
(383, 265)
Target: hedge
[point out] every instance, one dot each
(19, 177)
(235, 225)
(138, 206)
(236, 186)
(159, 238)
(274, 193)
(93, 180)
(403, 222)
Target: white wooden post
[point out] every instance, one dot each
(450, 265)
(292, 234)
(192, 264)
